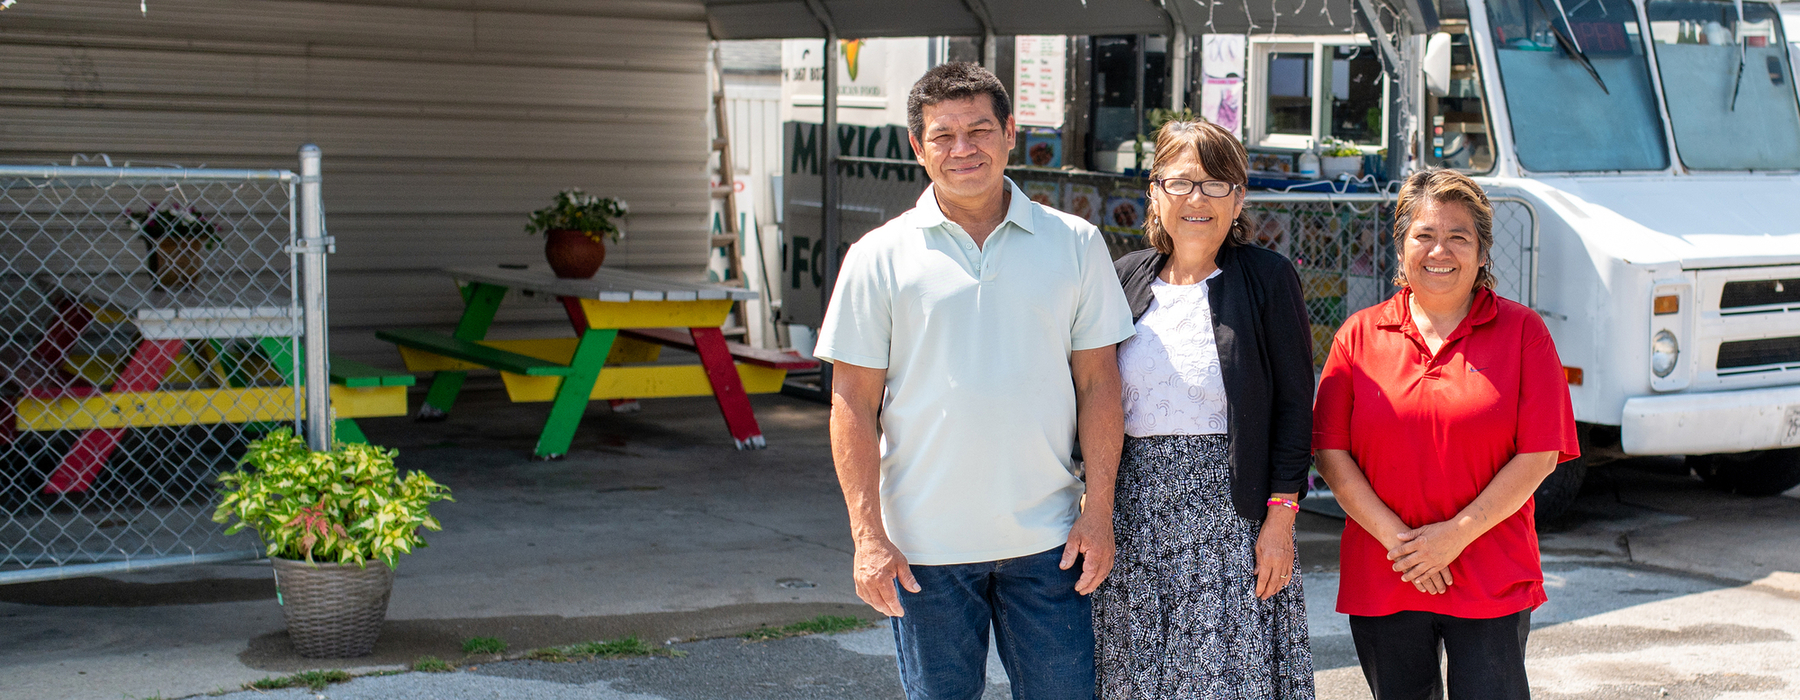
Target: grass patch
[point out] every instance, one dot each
(484, 645)
(823, 624)
(432, 664)
(615, 649)
(314, 680)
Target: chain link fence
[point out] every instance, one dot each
(1341, 248)
(152, 328)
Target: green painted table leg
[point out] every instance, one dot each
(282, 358)
(345, 430)
(480, 301)
(572, 397)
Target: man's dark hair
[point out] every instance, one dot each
(954, 81)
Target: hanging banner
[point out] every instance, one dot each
(1222, 91)
(1222, 103)
(1040, 64)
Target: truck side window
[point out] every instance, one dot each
(1459, 120)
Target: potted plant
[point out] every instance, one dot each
(176, 235)
(1339, 157)
(574, 229)
(323, 517)
(1144, 145)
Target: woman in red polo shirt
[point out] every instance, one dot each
(1438, 413)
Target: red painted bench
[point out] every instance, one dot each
(683, 340)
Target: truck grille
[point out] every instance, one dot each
(1759, 293)
(1759, 353)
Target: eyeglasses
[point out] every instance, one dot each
(1182, 187)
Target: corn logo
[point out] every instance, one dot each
(851, 48)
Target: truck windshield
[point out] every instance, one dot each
(1562, 118)
(1725, 118)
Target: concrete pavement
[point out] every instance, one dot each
(655, 526)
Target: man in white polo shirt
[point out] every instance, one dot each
(972, 341)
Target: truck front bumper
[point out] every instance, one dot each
(1712, 423)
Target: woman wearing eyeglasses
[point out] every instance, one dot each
(1204, 599)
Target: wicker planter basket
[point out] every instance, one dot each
(333, 610)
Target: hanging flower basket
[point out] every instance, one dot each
(177, 236)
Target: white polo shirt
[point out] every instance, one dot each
(978, 424)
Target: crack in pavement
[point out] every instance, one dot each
(778, 531)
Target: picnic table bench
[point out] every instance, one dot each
(621, 321)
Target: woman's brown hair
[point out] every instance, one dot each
(1220, 155)
(1445, 186)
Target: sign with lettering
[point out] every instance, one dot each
(1039, 69)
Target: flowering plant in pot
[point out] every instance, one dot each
(574, 229)
(176, 234)
(323, 517)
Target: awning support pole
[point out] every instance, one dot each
(828, 195)
(1178, 68)
(828, 175)
(990, 47)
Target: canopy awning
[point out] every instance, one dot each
(856, 19)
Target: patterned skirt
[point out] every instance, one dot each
(1179, 617)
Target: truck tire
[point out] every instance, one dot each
(1750, 473)
(1559, 490)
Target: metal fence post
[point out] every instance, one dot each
(313, 246)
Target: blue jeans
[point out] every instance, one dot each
(1044, 628)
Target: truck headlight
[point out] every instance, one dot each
(1663, 353)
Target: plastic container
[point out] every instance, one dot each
(1309, 165)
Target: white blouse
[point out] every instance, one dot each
(1170, 368)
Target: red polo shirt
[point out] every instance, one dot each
(1430, 432)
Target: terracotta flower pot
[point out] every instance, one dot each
(333, 610)
(176, 261)
(572, 255)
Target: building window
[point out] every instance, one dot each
(1356, 92)
(1130, 77)
(1308, 88)
(1290, 93)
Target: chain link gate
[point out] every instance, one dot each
(154, 321)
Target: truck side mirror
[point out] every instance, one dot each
(1437, 64)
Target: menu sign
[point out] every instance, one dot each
(1038, 70)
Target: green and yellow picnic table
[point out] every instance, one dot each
(621, 320)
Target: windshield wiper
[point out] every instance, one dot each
(1738, 81)
(1569, 45)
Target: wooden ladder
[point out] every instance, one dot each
(727, 190)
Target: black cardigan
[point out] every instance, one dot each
(1265, 354)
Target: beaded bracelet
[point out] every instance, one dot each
(1285, 502)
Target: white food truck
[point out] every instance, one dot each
(1658, 143)
(1655, 143)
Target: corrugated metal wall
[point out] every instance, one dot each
(442, 122)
